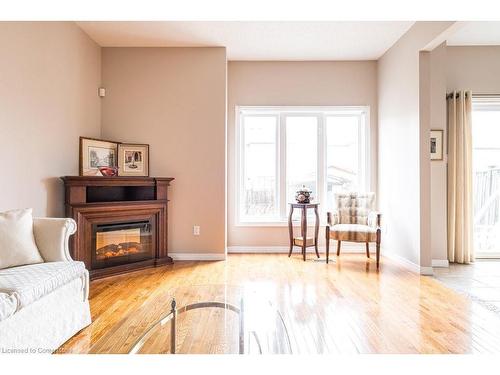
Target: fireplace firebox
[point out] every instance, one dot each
(121, 222)
(121, 243)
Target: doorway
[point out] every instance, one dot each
(486, 176)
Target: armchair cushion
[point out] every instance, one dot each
(17, 243)
(354, 208)
(353, 232)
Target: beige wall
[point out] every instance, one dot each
(175, 100)
(438, 168)
(404, 165)
(293, 83)
(424, 91)
(474, 68)
(49, 75)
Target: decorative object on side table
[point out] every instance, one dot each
(436, 144)
(303, 195)
(96, 154)
(133, 160)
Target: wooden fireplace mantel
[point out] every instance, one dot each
(91, 200)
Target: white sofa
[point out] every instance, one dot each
(43, 305)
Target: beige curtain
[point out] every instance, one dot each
(460, 245)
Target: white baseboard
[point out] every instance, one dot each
(403, 262)
(198, 256)
(440, 263)
(346, 248)
(260, 249)
(426, 271)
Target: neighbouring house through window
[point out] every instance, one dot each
(279, 149)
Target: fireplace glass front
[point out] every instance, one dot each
(121, 243)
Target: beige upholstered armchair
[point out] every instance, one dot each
(355, 220)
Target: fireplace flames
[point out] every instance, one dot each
(122, 249)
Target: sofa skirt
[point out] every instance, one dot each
(46, 324)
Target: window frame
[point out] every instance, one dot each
(321, 112)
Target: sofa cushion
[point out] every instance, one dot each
(8, 305)
(30, 283)
(17, 242)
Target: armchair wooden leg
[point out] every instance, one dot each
(367, 250)
(378, 254)
(338, 248)
(378, 247)
(327, 244)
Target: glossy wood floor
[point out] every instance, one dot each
(343, 307)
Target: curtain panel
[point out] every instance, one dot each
(460, 209)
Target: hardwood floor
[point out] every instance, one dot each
(343, 307)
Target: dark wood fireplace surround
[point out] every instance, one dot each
(108, 200)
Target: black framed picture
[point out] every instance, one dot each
(436, 144)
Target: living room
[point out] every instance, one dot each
(249, 186)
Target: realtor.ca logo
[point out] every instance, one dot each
(26, 351)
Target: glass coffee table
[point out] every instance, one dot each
(203, 319)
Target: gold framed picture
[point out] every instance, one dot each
(133, 160)
(96, 154)
(436, 144)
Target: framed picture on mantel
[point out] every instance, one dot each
(96, 154)
(133, 160)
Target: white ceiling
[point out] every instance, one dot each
(257, 40)
(480, 33)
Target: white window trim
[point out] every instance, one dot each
(282, 112)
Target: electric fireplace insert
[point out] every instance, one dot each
(121, 243)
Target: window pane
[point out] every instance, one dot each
(259, 180)
(301, 155)
(486, 180)
(342, 155)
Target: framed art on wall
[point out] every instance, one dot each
(436, 144)
(95, 155)
(133, 159)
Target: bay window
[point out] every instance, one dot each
(280, 149)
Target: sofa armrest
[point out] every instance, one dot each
(52, 236)
(374, 219)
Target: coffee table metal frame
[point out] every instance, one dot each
(174, 312)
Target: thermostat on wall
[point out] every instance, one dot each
(102, 92)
